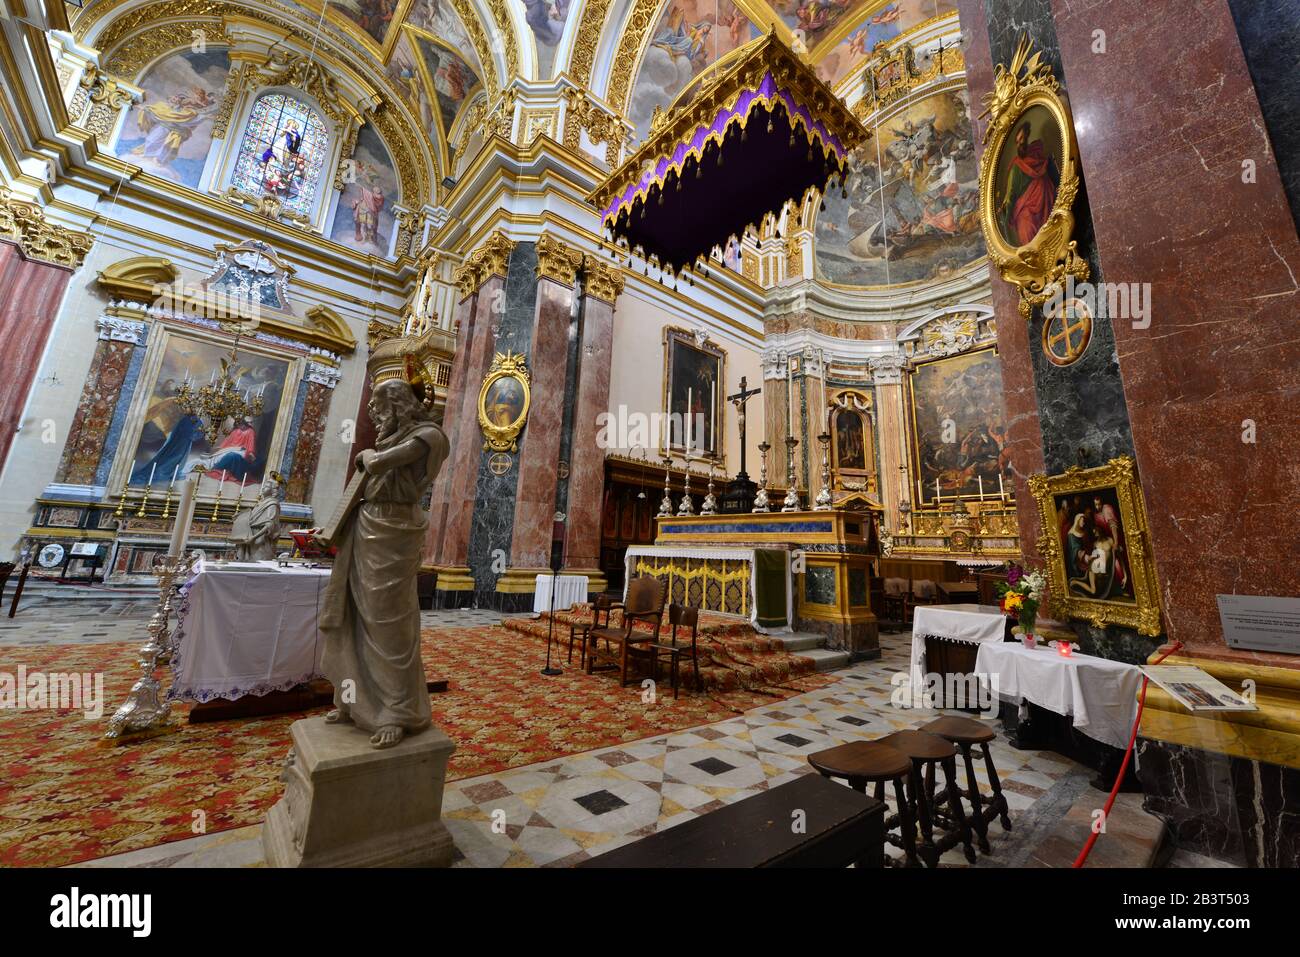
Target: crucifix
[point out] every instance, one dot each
(739, 400)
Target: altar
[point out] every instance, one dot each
(753, 583)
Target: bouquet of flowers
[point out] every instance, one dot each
(1021, 595)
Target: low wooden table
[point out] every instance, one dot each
(841, 827)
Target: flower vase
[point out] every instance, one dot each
(1029, 640)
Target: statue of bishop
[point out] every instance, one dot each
(370, 616)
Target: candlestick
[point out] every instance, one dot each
(216, 504)
(761, 501)
(666, 506)
(824, 497)
(144, 500)
(710, 504)
(687, 507)
(184, 517)
(791, 502)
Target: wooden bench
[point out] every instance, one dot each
(840, 827)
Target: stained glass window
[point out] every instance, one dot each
(283, 152)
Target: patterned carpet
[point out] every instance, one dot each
(732, 655)
(64, 798)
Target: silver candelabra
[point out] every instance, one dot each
(791, 502)
(761, 502)
(824, 499)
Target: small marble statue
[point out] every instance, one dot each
(255, 530)
(370, 617)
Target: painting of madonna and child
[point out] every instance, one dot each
(171, 442)
(1093, 545)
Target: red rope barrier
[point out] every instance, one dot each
(1128, 754)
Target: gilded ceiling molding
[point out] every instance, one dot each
(99, 99)
(130, 59)
(469, 19)
(138, 278)
(490, 259)
(304, 73)
(24, 223)
(601, 280)
(626, 59)
(240, 76)
(602, 127)
(556, 260)
(902, 76)
(506, 29)
(587, 40)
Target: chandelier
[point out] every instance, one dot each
(220, 402)
(739, 145)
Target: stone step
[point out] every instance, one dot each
(802, 640)
(827, 660)
(1133, 838)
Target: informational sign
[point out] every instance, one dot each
(1196, 690)
(1261, 623)
(85, 549)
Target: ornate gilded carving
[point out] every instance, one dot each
(584, 45)
(482, 47)
(601, 280)
(1138, 605)
(556, 260)
(130, 59)
(490, 259)
(40, 241)
(602, 127)
(890, 76)
(503, 403)
(626, 59)
(1040, 266)
(306, 74)
(506, 30)
(236, 82)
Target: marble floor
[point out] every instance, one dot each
(560, 812)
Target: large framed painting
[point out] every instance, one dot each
(1029, 179)
(694, 389)
(166, 442)
(853, 454)
(1095, 544)
(958, 430)
(503, 403)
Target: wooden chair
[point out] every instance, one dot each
(578, 629)
(644, 602)
(679, 617)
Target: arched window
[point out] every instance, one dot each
(283, 152)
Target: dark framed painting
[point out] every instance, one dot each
(1028, 175)
(958, 428)
(694, 390)
(853, 454)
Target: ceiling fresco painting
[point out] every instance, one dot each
(546, 20)
(922, 224)
(437, 18)
(890, 21)
(448, 75)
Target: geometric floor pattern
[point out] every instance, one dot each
(557, 813)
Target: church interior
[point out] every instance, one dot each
(582, 433)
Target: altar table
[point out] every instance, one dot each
(971, 624)
(247, 631)
(569, 591)
(754, 583)
(1099, 695)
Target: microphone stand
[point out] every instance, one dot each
(549, 670)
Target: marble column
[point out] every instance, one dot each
(33, 292)
(363, 430)
(602, 285)
(1212, 377)
(463, 319)
(106, 381)
(890, 428)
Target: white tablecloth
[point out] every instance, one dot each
(569, 590)
(243, 632)
(972, 624)
(1100, 695)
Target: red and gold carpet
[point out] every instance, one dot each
(64, 798)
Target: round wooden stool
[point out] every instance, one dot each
(925, 751)
(868, 762)
(965, 734)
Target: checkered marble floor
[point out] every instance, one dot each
(558, 813)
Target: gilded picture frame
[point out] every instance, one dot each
(852, 429)
(1097, 546)
(693, 362)
(1028, 115)
(503, 402)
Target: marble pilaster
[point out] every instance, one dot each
(587, 464)
(463, 319)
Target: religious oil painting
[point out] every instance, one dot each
(438, 18)
(958, 427)
(449, 76)
(694, 382)
(171, 441)
(910, 210)
(405, 74)
(546, 20)
(851, 437)
(169, 132)
(890, 21)
(689, 37)
(1095, 546)
(1027, 175)
(364, 220)
(503, 402)
(374, 17)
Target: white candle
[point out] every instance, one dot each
(981, 481)
(127, 483)
(920, 494)
(221, 484)
(184, 515)
(687, 427)
(175, 471)
(713, 393)
(151, 474)
(1002, 493)
(938, 496)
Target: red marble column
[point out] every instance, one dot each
(1165, 119)
(587, 459)
(464, 317)
(461, 467)
(1024, 437)
(30, 294)
(363, 430)
(539, 455)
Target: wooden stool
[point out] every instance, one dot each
(867, 762)
(925, 751)
(965, 733)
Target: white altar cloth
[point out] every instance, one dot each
(721, 554)
(569, 590)
(973, 624)
(246, 631)
(1100, 695)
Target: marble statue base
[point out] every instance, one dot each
(349, 804)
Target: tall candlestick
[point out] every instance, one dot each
(689, 411)
(789, 388)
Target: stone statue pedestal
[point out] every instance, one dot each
(349, 804)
